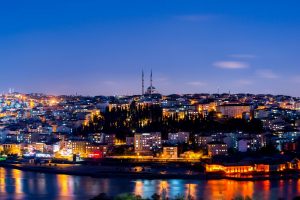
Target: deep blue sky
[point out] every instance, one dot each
(100, 47)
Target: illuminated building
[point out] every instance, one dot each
(297, 105)
(78, 146)
(203, 140)
(205, 108)
(97, 137)
(257, 142)
(170, 152)
(12, 148)
(191, 155)
(85, 148)
(217, 148)
(243, 142)
(172, 112)
(262, 167)
(110, 139)
(180, 137)
(96, 150)
(267, 166)
(289, 104)
(233, 110)
(180, 112)
(261, 113)
(14, 136)
(122, 106)
(144, 143)
(229, 169)
(35, 129)
(54, 128)
(41, 147)
(102, 138)
(237, 168)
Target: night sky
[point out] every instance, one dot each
(100, 47)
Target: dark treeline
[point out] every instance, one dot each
(149, 118)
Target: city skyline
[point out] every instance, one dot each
(100, 48)
(150, 99)
(146, 88)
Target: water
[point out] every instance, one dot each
(15, 184)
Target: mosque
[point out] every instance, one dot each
(151, 90)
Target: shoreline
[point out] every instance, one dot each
(79, 171)
(104, 174)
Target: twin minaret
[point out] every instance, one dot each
(143, 83)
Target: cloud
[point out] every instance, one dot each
(196, 83)
(242, 56)
(231, 64)
(267, 74)
(195, 17)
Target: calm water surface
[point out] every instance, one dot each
(15, 184)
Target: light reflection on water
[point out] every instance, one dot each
(15, 184)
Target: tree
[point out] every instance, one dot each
(101, 196)
(128, 197)
(155, 196)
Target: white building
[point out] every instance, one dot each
(144, 143)
(217, 148)
(180, 137)
(170, 152)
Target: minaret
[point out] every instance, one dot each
(151, 82)
(143, 86)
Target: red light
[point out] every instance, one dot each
(96, 154)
